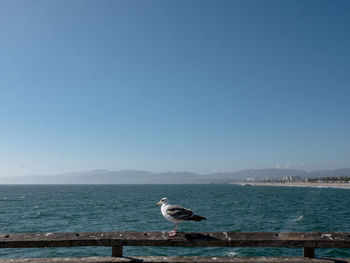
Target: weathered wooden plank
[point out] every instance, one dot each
(56, 239)
(333, 240)
(160, 259)
(183, 239)
(197, 259)
(59, 260)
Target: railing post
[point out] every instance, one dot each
(117, 251)
(309, 252)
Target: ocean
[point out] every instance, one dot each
(90, 208)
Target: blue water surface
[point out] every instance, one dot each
(90, 208)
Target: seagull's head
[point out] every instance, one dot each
(162, 201)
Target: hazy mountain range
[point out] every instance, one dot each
(146, 177)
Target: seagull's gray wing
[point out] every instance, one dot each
(179, 212)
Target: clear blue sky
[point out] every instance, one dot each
(200, 86)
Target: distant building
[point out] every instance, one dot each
(291, 178)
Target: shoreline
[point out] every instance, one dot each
(300, 184)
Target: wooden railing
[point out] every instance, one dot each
(117, 240)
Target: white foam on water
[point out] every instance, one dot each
(299, 218)
(232, 254)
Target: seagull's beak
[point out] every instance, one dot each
(158, 204)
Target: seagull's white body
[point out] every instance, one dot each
(176, 214)
(164, 209)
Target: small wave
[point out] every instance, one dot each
(232, 254)
(334, 186)
(299, 218)
(10, 200)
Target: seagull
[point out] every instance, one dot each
(176, 214)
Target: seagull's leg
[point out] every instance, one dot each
(173, 233)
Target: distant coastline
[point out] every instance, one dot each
(301, 184)
(251, 176)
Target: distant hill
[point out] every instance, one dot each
(146, 177)
(108, 177)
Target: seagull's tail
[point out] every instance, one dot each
(196, 218)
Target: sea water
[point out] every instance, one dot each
(92, 208)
